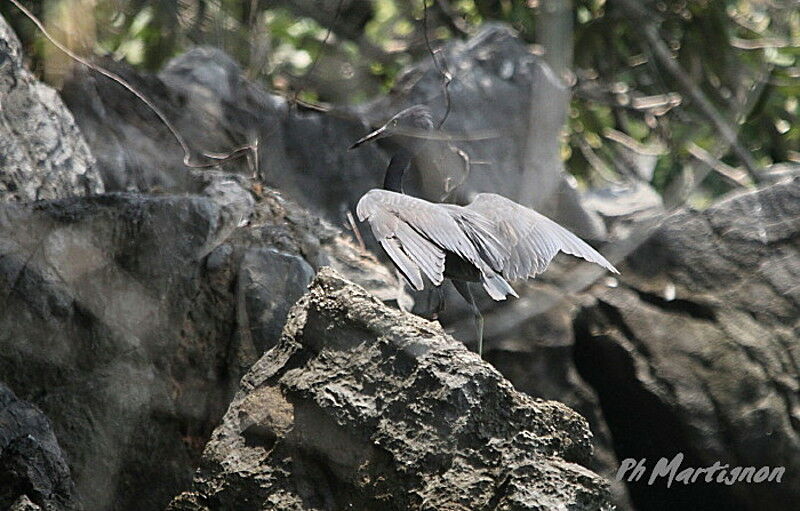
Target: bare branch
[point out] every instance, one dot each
(187, 156)
(736, 176)
(442, 68)
(762, 43)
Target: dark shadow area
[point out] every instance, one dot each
(641, 425)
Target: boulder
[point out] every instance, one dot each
(361, 406)
(216, 110)
(129, 319)
(303, 152)
(694, 351)
(42, 153)
(33, 469)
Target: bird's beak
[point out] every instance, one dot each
(375, 135)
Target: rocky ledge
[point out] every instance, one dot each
(360, 406)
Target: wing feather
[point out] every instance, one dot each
(428, 257)
(407, 267)
(531, 239)
(420, 233)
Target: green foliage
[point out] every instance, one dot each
(740, 54)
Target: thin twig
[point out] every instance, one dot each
(441, 68)
(595, 161)
(356, 231)
(487, 134)
(762, 43)
(294, 100)
(734, 175)
(127, 86)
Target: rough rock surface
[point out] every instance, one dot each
(42, 153)
(33, 471)
(129, 320)
(696, 350)
(532, 344)
(382, 410)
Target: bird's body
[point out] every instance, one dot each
(491, 240)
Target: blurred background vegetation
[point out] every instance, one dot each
(702, 88)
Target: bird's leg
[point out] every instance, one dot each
(440, 307)
(464, 290)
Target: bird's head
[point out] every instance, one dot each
(413, 118)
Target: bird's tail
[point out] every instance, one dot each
(497, 287)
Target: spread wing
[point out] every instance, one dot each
(418, 234)
(532, 240)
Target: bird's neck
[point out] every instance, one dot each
(398, 165)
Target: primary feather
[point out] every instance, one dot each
(424, 232)
(532, 239)
(500, 238)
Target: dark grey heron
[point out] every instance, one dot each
(491, 240)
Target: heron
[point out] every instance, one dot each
(491, 240)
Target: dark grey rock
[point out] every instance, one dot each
(269, 283)
(505, 108)
(695, 350)
(301, 152)
(33, 469)
(130, 319)
(42, 153)
(304, 152)
(365, 407)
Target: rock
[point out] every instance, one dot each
(24, 504)
(694, 351)
(532, 343)
(42, 153)
(216, 110)
(266, 299)
(366, 407)
(130, 319)
(33, 469)
(496, 83)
